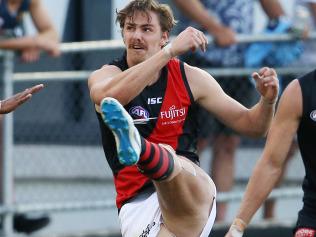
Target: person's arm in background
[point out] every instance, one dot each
(10, 104)
(272, 8)
(312, 7)
(269, 168)
(194, 9)
(46, 39)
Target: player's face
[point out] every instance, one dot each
(143, 37)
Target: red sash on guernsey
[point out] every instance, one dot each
(169, 127)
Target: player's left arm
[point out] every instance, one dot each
(252, 122)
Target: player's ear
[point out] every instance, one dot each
(164, 38)
(123, 36)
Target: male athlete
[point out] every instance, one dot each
(161, 190)
(296, 114)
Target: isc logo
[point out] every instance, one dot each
(153, 101)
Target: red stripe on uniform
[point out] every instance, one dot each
(155, 159)
(174, 110)
(128, 182)
(165, 165)
(146, 155)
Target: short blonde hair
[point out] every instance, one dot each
(164, 12)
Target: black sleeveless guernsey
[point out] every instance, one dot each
(306, 135)
(170, 105)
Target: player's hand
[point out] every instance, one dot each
(189, 39)
(10, 104)
(267, 84)
(233, 232)
(237, 228)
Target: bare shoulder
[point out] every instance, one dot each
(290, 106)
(200, 81)
(195, 72)
(285, 124)
(106, 71)
(291, 100)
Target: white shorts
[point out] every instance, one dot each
(142, 218)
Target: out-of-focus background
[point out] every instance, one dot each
(58, 164)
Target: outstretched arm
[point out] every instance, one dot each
(10, 104)
(269, 168)
(194, 9)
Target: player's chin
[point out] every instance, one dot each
(140, 58)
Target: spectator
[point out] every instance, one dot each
(11, 15)
(308, 57)
(223, 20)
(29, 47)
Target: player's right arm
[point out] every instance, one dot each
(109, 81)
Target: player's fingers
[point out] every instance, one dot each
(204, 40)
(36, 88)
(263, 70)
(269, 81)
(24, 98)
(256, 76)
(268, 72)
(201, 39)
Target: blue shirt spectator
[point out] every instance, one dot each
(232, 14)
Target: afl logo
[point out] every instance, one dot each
(139, 112)
(313, 115)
